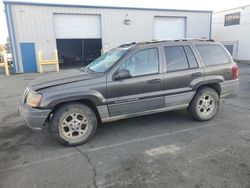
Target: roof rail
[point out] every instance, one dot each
(176, 40)
(126, 45)
(195, 39)
(152, 41)
(167, 40)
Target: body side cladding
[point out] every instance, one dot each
(136, 97)
(144, 96)
(103, 112)
(115, 118)
(229, 87)
(179, 99)
(172, 102)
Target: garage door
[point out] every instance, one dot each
(169, 28)
(77, 26)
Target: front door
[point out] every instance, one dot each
(141, 92)
(28, 57)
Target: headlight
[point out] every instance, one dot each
(33, 99)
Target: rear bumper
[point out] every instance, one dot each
(229, 87)
(34, 118)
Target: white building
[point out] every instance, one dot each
(79, 32)
(232, 28)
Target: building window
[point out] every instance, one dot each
(232, 19)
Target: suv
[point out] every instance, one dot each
(131, 80)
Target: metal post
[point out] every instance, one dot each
(39, 61)
(56, 58)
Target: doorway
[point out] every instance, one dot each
(76, 53)
(28, 57)
(232, 47)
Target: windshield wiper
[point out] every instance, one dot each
(90, 70)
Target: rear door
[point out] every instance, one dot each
(143, 91)
(182, 71)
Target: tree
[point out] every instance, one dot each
(2, 48)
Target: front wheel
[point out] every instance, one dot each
(204, 104)
(74, 124)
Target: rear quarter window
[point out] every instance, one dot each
(212, 54)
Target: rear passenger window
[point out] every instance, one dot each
(175, 58)
(212, 54)
(191, 58)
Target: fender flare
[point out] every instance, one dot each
(195, 84)
(53, 100)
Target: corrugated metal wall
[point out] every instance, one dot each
(236, 33)
(35, 24)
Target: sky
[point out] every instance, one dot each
(213, 5)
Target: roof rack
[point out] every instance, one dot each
(195, 39)
(168, 40)
(177, 40)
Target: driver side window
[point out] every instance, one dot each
(144, 62)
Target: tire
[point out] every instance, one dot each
(73, 124)
(204, 104)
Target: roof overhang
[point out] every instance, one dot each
(77, 4)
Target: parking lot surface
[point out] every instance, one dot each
(161, 150)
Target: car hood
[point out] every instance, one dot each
(62, 77)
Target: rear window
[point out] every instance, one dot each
(212, 54)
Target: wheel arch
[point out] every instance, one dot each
(213, 85)
(87, 102)
(211, 81)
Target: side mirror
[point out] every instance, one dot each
(122, 74)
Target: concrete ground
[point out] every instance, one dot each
(161, 150)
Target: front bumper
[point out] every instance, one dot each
(34, 118)
(229, 87)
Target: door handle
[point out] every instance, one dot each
(196, 74)
(154, 81)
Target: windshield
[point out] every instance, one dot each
(104, 62)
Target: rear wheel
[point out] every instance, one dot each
(74, 124)
(204, 105)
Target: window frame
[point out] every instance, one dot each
(192, 51)
(224, 51)
(132, 54)
(229, 21)
(186, 56)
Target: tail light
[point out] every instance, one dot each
(235, 71)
